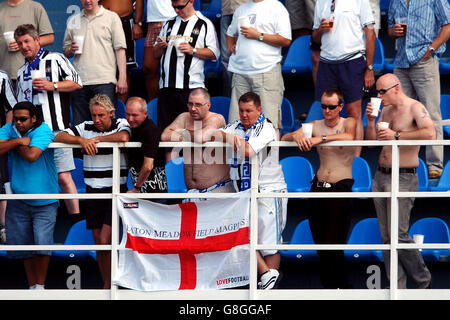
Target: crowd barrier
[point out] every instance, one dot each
(252, 293)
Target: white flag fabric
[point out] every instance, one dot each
(202, 245)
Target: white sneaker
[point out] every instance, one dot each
(269, 279)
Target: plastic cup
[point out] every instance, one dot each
(244, 21)
(176, 44)
(418, 238)
(35, 74)
(402, 22)
(9, 36)
(80, 41)
(376, 103)
(382, 125)
(307, 129)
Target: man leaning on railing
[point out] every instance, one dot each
(402, 118)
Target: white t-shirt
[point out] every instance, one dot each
(254, 56)
(159, 10)
(271, 176)
(345, 41)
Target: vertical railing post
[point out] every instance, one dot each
(115, 218)
(253, 227)
(394, 222)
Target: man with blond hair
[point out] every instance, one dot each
(98, 170)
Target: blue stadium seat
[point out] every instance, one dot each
(388, 65)
(120, 111)
(152, 109)
(78, 235)
(298, 59)
(422, 172)
(379, 61)
(384, 6)
(175, 176)
(445, 113)
(212, 68)
(315, 112)
(362, 175)
(214, 11)
(302, 235)
(287, 117)
(444, 180)
(435, 230)
(444, 65)
(197, 5)
(78, 175)
(298, 173)
(221, 105)
(365, 231)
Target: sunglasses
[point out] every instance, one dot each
(181, 7)
(197, 105)
(383, 91)
(21, 119)
(324, 106)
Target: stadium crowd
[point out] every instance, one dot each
(72, 97)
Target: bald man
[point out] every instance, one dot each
(408, 120)
(147, 162)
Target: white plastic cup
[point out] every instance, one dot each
(80, 42)
(244, 21)
(382, 125)
(9, 37)
(176, 44)
(418, 239)
(36, 74)
(8, 189)
(307, 129)
(376, 103)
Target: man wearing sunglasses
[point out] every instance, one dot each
(30, 221)
(329, 219)
(408, 119)
(183, 45)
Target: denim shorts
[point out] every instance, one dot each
(29, 225)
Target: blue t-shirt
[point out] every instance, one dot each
(39, 176)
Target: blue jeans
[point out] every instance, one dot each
(79, 100)
(28, 225)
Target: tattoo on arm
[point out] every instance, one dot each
(425, 113)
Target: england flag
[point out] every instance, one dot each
(202, 245)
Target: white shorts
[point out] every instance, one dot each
(272, 214)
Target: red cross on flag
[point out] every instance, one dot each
(202, 245)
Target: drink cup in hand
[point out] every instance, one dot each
(382, 125)
(176, 44)
(79, 41)
(402, 21)
(418, 238)
(244, 21)
(375, 103)
(307, 130)
(9, 37)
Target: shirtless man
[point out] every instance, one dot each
(200, 175)
(408, 120)
(131, 26)
(329, 219)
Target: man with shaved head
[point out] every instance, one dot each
(147, 162)
(408, 119)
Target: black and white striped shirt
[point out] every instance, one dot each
(7, 96)
(98, 169)
(55, 105)
(186, 72)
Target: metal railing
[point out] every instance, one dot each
(252, 293)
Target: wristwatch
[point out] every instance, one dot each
(370, 67)
(324, 138)
(194, 51)
(55, 86)
(261, 37)
(139, 23)
(397, 135)
(432, 50)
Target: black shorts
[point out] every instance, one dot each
(127, 25)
